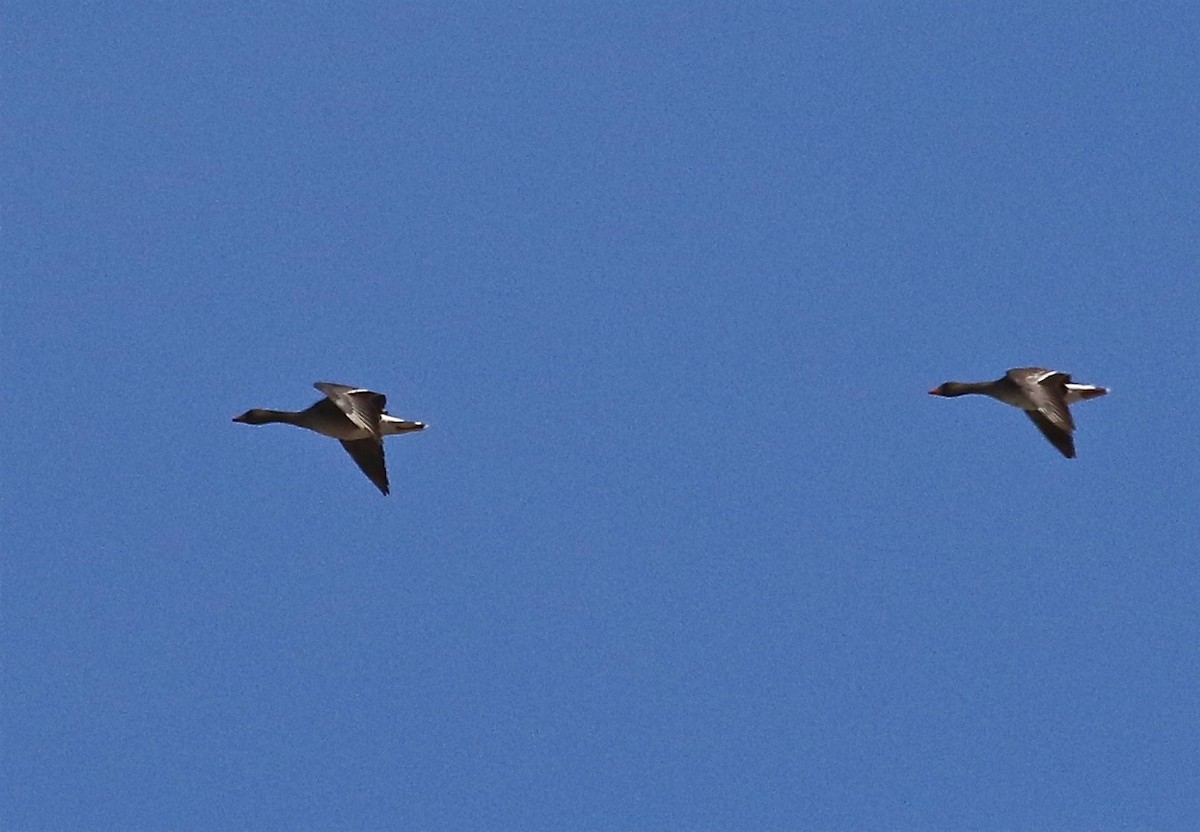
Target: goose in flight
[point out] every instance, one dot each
(352, 415)
(1044, 395)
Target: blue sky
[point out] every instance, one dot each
(686, 545)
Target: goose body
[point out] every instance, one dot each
(352, 415)
(1044, 395)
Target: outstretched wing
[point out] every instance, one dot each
(1058, 437)
(368, 455)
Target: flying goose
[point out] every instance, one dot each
(352, 415)
(1044, 395)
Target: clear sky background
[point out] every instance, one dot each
(686, 545)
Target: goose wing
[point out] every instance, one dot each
(1051, 400)
(1058, 437)
(1046, 390)
(362, 407)
(368, 456)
